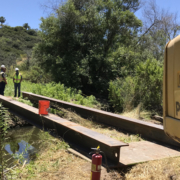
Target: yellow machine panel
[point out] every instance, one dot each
(171, 89)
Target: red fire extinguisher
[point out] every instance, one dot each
(96, 163)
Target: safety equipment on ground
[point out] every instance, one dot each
(44, 107)
(1, 78)
(3, 66)
(96, 163)
(17, 78)
(16, 69)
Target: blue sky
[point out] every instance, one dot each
(18, 12)
(170, 5)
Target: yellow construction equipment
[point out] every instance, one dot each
(171, 89)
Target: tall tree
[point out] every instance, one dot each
(77, 43)
(28, 57)
(162, 19)
(26, 26)
(161, 26)
(2, 20)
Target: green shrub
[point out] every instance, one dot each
(32, 32)
(27, 38)
(54, 90)
(18, 28)
(149, 84)
(30, 45)
(122, 94)
(16, 45)
(145, 88)
(36, 74)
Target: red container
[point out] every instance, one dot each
(44, 107)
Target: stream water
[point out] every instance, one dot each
(22, 144)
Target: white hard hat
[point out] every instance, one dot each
(16, 69)
(3, 66)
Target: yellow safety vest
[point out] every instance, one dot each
(17, 79)
(1, 78)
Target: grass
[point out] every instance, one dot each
(141, 115)
(25, 101)
(52, 156)
(55, 162)
(135, 114)
(166, 169)
(53, 90)
(103, 129)
(58, 91)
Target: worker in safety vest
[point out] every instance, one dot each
(3, 81)
(17, 82)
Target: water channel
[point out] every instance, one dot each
(22, 144)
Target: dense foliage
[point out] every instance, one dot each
(2, 20)
(15, 42)
(58, 91)
(96, 46)
(78, 44)
(144, 87)
(101, 47)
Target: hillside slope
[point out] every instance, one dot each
(15, 43)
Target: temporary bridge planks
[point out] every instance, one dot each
(145, 129)
(69, 131)
(75, 134)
